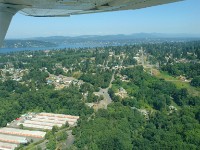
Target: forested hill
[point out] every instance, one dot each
(97, 40)
(153, 101)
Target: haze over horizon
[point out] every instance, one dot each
(132, 35)
(174, 18)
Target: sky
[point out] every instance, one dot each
(180, 17)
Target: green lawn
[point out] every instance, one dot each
(179, 84)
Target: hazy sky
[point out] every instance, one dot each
(181, 17)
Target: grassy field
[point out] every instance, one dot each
(179, 83)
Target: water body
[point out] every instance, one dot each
(75, 45)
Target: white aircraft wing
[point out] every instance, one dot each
(42, 8)
(54, 8)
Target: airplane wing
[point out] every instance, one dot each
(55, 8)
(42, 8)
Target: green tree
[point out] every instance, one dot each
(195, 81)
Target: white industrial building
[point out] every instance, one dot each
(20, 132)
(58, 115)
(37, 126)
(48, 120)
(10, 137)
(7, 146)
(13, 139)
(42, 123)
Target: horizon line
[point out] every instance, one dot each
(185, 35)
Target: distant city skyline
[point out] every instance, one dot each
(180, 17)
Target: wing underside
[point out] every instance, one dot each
(51, 8)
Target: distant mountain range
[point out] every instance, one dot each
(105, 40)
(120, 36)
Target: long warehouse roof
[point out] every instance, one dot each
(25, 133)
(12, 139)
(59, 115)
(7, 146)
(36, 126)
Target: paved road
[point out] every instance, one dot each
(112, 79)
(70, 139)
(106, 96)
(107, 99)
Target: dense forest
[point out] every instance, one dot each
(148, 111)
(66, 101)
(123, 127)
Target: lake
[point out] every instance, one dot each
(75, 45)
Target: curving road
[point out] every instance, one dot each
(107, 99)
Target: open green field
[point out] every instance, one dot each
(179, 83)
